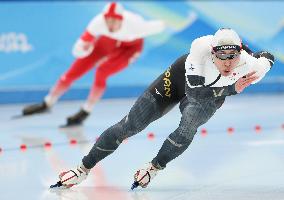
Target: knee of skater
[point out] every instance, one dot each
(182, 137)
(101, 72)
(100, 83)
(131, 127)
(108, 141)
(65, 81)
(136, 126)
(101, 80)
(108, 144)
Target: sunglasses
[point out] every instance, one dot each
(225, 56)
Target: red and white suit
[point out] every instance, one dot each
(110, 51)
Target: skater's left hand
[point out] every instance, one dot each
(245, 81)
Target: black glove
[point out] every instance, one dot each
(266, 55)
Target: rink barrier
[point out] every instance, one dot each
(9, 96)
(37, 95)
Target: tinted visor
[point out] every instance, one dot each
(226, 56)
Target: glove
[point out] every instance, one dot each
(82, 49)
(266, 55)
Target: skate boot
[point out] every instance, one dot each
(35, 109)
(143, 176)
(71, 177)
(77, 119)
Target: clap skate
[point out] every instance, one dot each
(76, 119)
(35, 108)
(32, 109)
(143, 176)
(71, 178)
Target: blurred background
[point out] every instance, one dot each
(36, 38)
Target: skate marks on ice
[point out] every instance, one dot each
(211, 192)
(87, 193)
(111, 193)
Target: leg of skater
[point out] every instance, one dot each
(150, 106)
(144, 111)
(115, 62)
(194, 114)
(77, 69)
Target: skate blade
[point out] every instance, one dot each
(134, 185)
(56, 186)
(70, 126)
(18, 116)
(21, 116)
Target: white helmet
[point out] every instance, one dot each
(226, 39)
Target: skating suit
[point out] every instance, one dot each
(111, 51)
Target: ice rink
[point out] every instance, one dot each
(244, 164)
